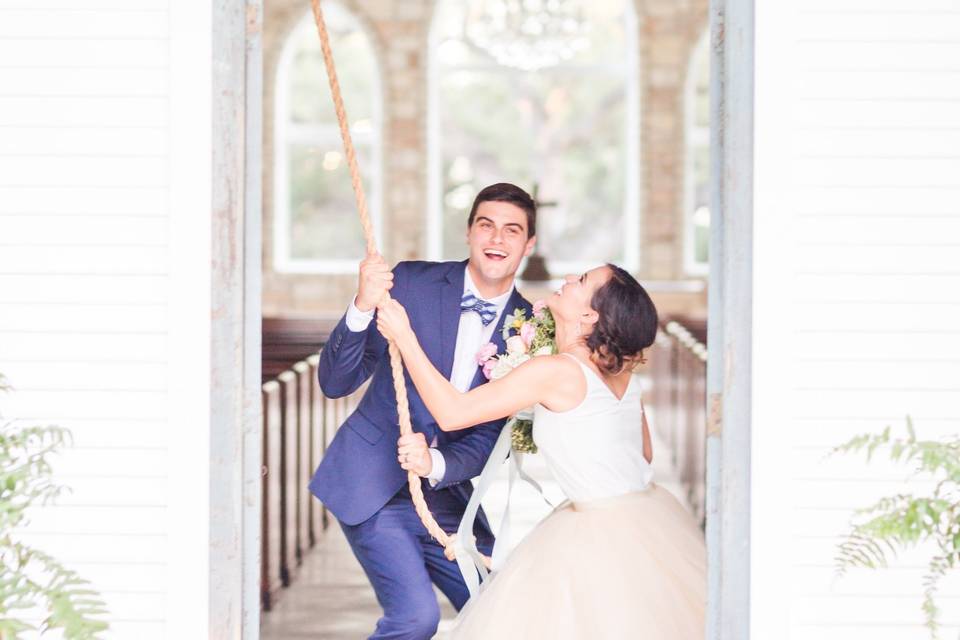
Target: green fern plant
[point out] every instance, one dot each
(30, 578)
(903, 521)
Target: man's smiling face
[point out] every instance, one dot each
(498, 240)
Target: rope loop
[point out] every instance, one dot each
(396, 363)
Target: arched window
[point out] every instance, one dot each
(503, 109)
(697, 160)
(316, 229)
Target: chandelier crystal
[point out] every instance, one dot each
(527, 34)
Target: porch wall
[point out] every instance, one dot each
(105, 290)
(856, 296)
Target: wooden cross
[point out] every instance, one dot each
(535, 194)
(536, 270)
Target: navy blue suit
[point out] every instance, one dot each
(359, 478)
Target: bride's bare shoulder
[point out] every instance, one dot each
(559, 370)
(558, 362)
(565, 382)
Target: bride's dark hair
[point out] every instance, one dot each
(627, 324)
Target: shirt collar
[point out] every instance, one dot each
(499, 302)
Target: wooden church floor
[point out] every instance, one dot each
(331, 598)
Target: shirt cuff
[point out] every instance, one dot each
(439, 467)
(357, 320)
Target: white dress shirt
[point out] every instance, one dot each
(471, 335)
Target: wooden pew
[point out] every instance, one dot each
(315, 509)
(679, 370)
(270, 529)
(286, 341)
(303, 470)
(299, 422)
(288, 470)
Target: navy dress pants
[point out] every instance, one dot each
(402, 563)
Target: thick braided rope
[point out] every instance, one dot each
(396, 364)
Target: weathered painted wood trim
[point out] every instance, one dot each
(730, 326)
(715, 324)
(235, 322)
(253, 240)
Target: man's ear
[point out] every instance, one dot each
(531, 243)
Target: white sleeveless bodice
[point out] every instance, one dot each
(595, 450)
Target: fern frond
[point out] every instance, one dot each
(29, 577)
(901, 521)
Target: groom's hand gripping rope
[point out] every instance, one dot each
(392, 321)
(375, 281)
(414, 454)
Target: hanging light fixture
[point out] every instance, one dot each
(527, 34)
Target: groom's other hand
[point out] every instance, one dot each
(375, 280)
(414, 454)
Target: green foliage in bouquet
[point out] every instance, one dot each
(543, 342)
(30, 578)
(903, 521)
(521, 436)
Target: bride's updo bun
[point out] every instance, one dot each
(627, 324)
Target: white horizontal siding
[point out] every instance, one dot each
(64, 288)
(857, 297)
(98, 261)
(94, 23)
(65, 202)
(92, 337)
(39, 52)
(103, 105)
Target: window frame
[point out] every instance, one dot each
(632, 203)
(694, 136)
(286, 134)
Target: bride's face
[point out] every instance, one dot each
(572, 301)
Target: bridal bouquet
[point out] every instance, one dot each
(525, 338)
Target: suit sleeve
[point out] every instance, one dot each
(466, 456)
(350, 357)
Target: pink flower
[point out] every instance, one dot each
(488, 367)
(486, 352)
(528, 332)
(538, 308)
(515, 344)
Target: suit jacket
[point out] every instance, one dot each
(359, 472)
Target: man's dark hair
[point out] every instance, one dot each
(506, 192)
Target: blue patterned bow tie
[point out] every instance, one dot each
(486, 310)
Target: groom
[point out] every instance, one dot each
(454, 308)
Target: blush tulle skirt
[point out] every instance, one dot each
(631, 566)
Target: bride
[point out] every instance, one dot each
(622, 558)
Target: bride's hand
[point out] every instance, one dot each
(392, 321)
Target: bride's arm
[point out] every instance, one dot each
(526, 385)
(647, 441)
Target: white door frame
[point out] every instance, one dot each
(235, 419)
(235, 463)
(729, 375)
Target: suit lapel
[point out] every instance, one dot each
(450, 294)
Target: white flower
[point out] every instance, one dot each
(500, 369)
(517, 359)
(515, 344)
(544, 351)
(507, 363)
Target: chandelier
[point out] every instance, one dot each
(527, 34)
